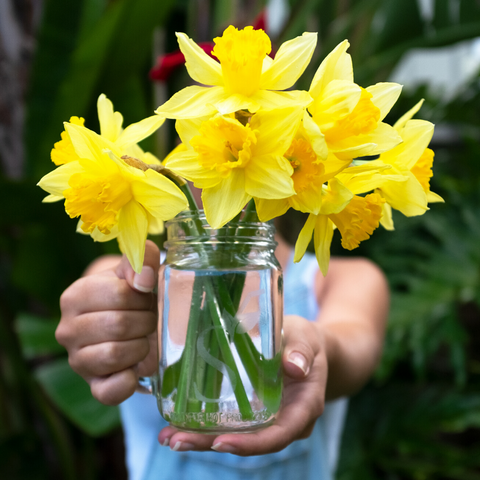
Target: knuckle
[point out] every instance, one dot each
(75, 363)
(67, 299)
(143, 349)
(117, 325)
(103, 395)
(114, 389)
(112, 355)
(61, 334)
(121, 294)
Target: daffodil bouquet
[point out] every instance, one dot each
(246, 139)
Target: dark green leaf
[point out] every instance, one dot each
(71, 394)
(37, 335)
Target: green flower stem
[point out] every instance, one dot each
(224, 344)
(186, 373)
(220, 295)
(189, 352)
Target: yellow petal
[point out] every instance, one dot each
(336, 197)
(434, 198)
(267, 63)
(159, 196)
(382, 139)
(192, 102)
(110, 121)
(364, 166)
(268, 209)
(269, 100)
(52, 199)
(384, 96)
(56, 182)
(308, 201)
(289, 63)
(361, 180)
(225, 200)
(337, 65)
(187, 166)
(338, 99)
(400, 123)
(189, 128)
(63, 151)
(416, 138)
(407, 197)
(136, 132)
(200, 66)
(304, 238)
(155, 225)
(333, 165)
(275, 129)
(269, 177)
(315, 137)
(235, 102)
(387, 221)
(322, 240)
(88, 144)
(132, 233)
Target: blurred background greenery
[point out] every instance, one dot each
(419, 418)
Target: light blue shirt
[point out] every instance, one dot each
(313, 458)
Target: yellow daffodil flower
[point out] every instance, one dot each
(246, 77)
(310, 172)
(414, 161)
(114, 197)
(356, 217)
(350, 117)
(234, 161)
(123, 142)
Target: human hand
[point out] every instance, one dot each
(107, 325)
(305, 367)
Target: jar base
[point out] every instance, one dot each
(218, 430)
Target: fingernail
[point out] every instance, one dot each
(145, 280)
(183, 447)
(224, 448)
(166, 442)
(299, 360)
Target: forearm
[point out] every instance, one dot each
(353, 354)
(354, 309)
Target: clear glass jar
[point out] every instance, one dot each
(220, 326)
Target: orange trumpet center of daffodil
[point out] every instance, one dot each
(362, 120)
(224, 144)
(357, 221)
(423, 169)
(97, 199)
(241, 54)
(305, 165)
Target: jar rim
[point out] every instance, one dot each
(200, 215)
(260, 234)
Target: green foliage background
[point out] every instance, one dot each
(420, 417)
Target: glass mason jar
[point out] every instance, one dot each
(220, 326)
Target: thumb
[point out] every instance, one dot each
(146, 280)
(301, 346)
